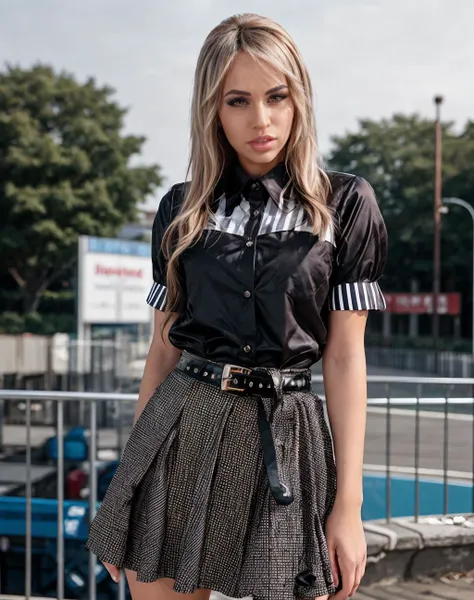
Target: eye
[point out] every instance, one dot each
(278, 97)
(237, 102)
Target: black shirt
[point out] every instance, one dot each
(258, 285)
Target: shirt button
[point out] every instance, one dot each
(249, 243)
(247, 294)
(247, 349)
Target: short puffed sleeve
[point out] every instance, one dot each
(158, 293)
(361, 250)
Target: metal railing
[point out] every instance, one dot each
(390, 399)
(62, 364)
(422, 361)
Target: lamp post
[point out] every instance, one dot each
(437, 228)
(470, 209)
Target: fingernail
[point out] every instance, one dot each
(114, 578)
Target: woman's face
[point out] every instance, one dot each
(256, 114)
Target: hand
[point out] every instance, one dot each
(114, 572)
(347, 549)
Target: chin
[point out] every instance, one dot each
(264, 158)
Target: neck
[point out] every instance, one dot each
(258, 170)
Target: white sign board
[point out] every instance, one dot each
(115, 277)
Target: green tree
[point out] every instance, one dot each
(65, 171)
(396, 156)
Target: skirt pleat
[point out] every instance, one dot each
(190, 499)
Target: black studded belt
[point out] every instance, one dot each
(257, 382)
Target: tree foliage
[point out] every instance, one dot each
(65, 170)
(397, 156)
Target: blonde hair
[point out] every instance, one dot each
(265, 41)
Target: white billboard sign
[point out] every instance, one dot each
(114, 279)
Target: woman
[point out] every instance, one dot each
(262, 262)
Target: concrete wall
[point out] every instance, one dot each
(30, 354)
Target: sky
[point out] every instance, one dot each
(367, 58)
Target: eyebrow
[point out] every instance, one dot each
(242, 93)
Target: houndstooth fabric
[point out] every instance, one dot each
(190, 499)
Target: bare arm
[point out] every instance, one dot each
(162, 358)
(344, 371)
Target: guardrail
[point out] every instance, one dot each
(422, 361)
(401, 416)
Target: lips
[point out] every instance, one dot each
(263, 143)
(262, 139)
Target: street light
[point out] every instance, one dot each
(470, 209)
(438, 100)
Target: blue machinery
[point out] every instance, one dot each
(44, 533)
(44, 547)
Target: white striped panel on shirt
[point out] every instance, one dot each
(358, 295)
(157, 296)
(234, 224)
(287, 215)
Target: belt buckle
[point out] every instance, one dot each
(228, 382)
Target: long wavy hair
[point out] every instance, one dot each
(266, 41)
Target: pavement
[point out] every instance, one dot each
(448, 589)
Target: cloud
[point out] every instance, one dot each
(366, 58)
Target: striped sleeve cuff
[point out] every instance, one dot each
(359, 295)
(157, 296)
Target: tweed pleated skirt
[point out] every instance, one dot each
(190, 499)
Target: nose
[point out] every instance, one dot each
(261, 116)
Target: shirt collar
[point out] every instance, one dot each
(235, 180)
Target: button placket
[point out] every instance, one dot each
(250, 233)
